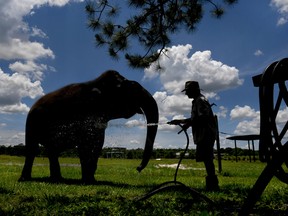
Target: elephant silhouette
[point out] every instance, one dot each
(77, 116)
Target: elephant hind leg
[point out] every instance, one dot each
(55, 173)
(27, 169)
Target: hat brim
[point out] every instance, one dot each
(184, 90)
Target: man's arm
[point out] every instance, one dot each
(178, 121)
(186, 123)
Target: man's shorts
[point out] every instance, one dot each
(204, 150)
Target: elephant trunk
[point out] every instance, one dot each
(150, 110)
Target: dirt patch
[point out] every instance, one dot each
(174, 166)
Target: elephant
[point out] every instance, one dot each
(76, 116)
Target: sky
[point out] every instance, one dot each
(46, 44)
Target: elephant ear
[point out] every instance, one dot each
(103, 88)
(96, 90)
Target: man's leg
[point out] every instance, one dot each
(210, 168)
(211, 178)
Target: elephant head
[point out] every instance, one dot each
(71, 113)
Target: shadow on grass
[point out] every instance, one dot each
(227, 201)
(69, 181)
(5, 191)
(151, 189)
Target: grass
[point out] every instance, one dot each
(119, 185)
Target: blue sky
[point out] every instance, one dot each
(45, 44)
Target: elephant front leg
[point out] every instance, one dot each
(88, 168)
(89, 161)
(89, 154)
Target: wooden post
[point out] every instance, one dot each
(218, 146)
(249, 150)
(253, 148)
(236, 150)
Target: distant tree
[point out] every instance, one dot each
(151, 24)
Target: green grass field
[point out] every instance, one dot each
(119, 185)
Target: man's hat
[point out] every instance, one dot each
(193, 85)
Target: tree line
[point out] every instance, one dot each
(226, 153)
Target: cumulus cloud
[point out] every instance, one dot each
(18, 49)
(282, 21)
(135, 123)
(15, 33)
(282, 116)
(172, 104)
(15, 87)
(177, 67)
(29, 69)
(258, 53)
(243, 112)
(10, 138)
(249, 120)
(22, 53)
(282, 8)
(222, 112)
(248, 127)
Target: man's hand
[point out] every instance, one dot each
(186, 126)
(176, 122)
(184, 123)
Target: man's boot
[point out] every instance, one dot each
(212, 183)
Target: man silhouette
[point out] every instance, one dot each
(204, 131)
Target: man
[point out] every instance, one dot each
(204, 131)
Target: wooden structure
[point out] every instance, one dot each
(116, 152)
(248, 138)
(273, 144)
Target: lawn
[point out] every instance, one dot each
(119, 186)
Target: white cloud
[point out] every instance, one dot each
(282, 8)
(19, 49)
(135, 123)
(282, 116)
(177, 68)
(247, 127)
(258, 53)
(135, 142)
(243, 112)
(281, 5)
(172, 104)
(11, 138)
(15, 87)
(36, 32)
(282, 21)
(222, 112)
(249, 120)
(22, 54)
(14, 108)
(3, 125)
(29, 69)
